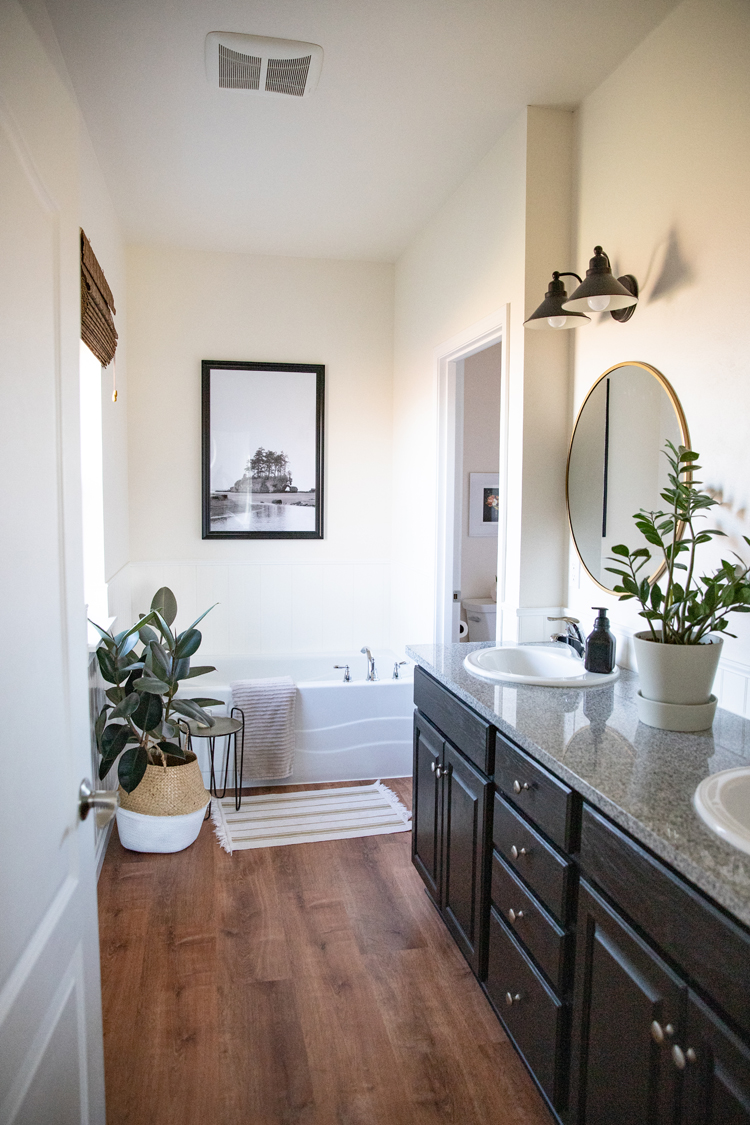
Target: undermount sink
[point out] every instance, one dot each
(541, 665)
(722, 801)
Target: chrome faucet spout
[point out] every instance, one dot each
(371, 673)
(572, 635)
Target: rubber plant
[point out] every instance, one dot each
(686, 610)
(141, 715)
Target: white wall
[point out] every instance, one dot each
(495, 242)
(481, 453)
(288, 595)
(663, 183)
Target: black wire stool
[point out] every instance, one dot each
(226, 726)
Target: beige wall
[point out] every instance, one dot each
(481, 454)
(663, 183)
(478, 254)
(288, 595)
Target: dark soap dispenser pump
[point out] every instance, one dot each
(600, 645)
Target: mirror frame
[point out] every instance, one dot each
(684, 440)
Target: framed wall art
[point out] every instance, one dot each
(484, 504)
(262, 450)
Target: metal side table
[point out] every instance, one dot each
(224, 727)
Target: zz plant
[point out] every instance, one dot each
(685, 611)
(142, 713)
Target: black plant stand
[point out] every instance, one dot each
(225, 727)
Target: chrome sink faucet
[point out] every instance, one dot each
(572, 635)
(371, 673)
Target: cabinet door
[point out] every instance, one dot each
(465, 854)
(627, 1004)
(716, 1068)
(426, 811)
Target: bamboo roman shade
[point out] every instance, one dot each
(98, 330)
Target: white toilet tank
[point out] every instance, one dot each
(481, 614)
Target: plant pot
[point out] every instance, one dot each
(676, 682)
(165, 811)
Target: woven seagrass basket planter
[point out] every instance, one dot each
(165, 811)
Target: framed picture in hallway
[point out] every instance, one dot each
(262, 450)
(484, 504)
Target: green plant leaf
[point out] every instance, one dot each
(193, 711)
(107, 665)
(115, 738)
(164, 629)
(165, 603)
(132, 767)
(621, 549)
(147, 634)
(173, 748)
(127, 644)
(115, 694)
(151, 685)
(198, 670)
(206, 702)
(187, 643)
(161, 661)
(127, 706)
(202, 615)
(106, 636)
(149, 711)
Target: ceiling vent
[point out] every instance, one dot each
(261, 65)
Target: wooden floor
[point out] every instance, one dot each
(311, 984)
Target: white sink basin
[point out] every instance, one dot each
(722, 801)
(544, 665)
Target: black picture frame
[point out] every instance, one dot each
(231, 504)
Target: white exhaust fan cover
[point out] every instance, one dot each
(259, 65)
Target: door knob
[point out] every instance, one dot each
(105, 801)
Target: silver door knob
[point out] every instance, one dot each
(515, 914)
(105, 801)
(518, 786)
(515, 852)
(511, 998)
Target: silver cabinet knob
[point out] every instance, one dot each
(105, 801)
(515, 914)
(511, 999)
(516, 852)
(678, 1057)
(433, 766)
(657, 1032)
(690, 1055)
(518, 786)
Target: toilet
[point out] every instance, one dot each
(481, 614)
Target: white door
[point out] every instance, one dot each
(51, 1069)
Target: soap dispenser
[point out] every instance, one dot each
(600, 645)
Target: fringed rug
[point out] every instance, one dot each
(274, 819)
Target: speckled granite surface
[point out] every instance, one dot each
(642, 778)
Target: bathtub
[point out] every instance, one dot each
(343, 731)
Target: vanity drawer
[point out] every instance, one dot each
(462, 726)
(538, 863)
(551, 804)
(530, 922)
(529, 1010)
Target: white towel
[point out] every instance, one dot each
(268, 707)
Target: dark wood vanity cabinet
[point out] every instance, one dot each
(625, 990)
(450, 837)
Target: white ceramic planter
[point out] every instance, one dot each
(140, 832)
(676, 682)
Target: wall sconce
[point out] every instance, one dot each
(600, 292)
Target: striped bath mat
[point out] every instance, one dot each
(273, 819)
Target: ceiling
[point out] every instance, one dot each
(411, 95)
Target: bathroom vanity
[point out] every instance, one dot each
(609, 929)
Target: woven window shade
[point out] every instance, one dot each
(98, 330)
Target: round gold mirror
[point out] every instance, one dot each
(615, 463)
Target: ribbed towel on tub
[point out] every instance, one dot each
(268, 707)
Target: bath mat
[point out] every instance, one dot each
(273, 819)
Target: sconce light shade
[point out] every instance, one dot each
(551, 313)
(601, 290)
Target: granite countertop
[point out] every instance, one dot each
(641, 777)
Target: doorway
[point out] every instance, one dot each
(472, 428)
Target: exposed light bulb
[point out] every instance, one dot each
(598, 304)
(557, 321)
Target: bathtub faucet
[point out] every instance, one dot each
(371, 673)
(396, 667)
(345, 667)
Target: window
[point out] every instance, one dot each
(94, 585)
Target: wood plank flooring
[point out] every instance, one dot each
(312, 984)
